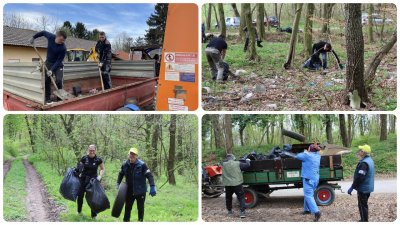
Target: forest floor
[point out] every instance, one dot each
(31, 193)
(266, 86)
(288, 206)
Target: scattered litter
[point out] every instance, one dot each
(206, 90)
(253, 75)
(328, 84)
(260, 88)
(338, 80)
(93, 91)
(272, 86)
(246, 97)
(311, 84)
(239, 72)
(272, 106)
(355, 100)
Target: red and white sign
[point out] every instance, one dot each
(186, 57)
(169, 57)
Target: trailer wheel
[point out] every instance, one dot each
(250, 197)
(324, 195)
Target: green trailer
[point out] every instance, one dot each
(283, 174)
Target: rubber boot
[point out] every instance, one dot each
(259, 44)
(317, 216)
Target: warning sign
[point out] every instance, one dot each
(186, 57)
(169, 57)
(175, 101)
(174, 76)
(172, 107)
(187, 77)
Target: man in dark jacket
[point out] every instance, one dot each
(135, 172)
(104, 55)
(232, 179)
(363, 180)
(215, 52)
(87, 169)
(321, 48)
(56, 51)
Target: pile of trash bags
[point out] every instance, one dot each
(275, 153)
(95, 195)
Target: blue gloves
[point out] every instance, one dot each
(350, 190)
(153, 191)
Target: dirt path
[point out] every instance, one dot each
(6, 167)
(40, 207)
(382, 208)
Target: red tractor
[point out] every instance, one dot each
(212, 181)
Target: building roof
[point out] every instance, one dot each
(122, 55)
(20, 37)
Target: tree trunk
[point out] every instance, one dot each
(350, 130)
(241, 131)
(308, 29)
(392, 127)
(171, 153)
(343, 131)
(376, 60)
(293, 38)
(361, 125)
(383, 22)
(208, 21)
(355, 52)
(242, 23)
(31, 134)
(222, 19)
(235, 10)
(328, 128)
(327, 13)
(370, 23)
(216, 15)
(228, 133)
(279, 18)
(251, 53)
(383, 133)
(217, 131)
(154, 144)
(260, 20)
(276, 10)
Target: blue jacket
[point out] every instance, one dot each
(55, 52)
(135, 175)
(367, 180)
(310, 165)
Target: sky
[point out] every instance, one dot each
(110, 18)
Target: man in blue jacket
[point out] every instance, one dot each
(135, 172)
(310, 176)
(56, 51)
(363, 180)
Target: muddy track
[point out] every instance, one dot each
(39, 206)
(382, 208)
(6, 167)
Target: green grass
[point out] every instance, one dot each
(383, 153)
(171, 204)
(14, 193)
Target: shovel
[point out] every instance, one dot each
(61, 93)
(101, 78)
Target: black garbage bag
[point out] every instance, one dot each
(96, 196)
(70, 185)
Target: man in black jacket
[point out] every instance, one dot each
(321, 48)
(104, 55)
(135, 172)
(215, 53)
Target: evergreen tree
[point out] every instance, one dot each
(156, 23)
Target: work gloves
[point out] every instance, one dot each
(153, 191)
(288, 154)
(100, 65)
(49, 73)
(350, 190)
(98, 178)
(31, 40)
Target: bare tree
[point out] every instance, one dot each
(343, 131)
(208, 21)
(235, 10)
(327, 14)
(293, 38)
(308, 26)
(222, 19)
(260, 20)
(384, 131)
(228, 133)
(252, 52)
(370, 23)
(171, 152)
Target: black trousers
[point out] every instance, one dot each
(105, 74)
(57, 76)
(238, 190)
(363, 205)
(130, 199)
(81, 194)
